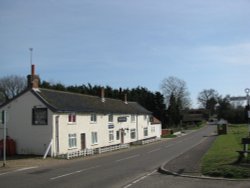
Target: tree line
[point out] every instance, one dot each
(168, 106)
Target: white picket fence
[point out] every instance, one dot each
(110, 148)
(86, 152)
(79, 153)
(146, 141)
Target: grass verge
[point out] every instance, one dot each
(220, 160)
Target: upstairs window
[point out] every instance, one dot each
(40, 116)
(132, 118)
(111, 118)
(93, 118)
(72, 118)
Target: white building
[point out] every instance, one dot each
(38, 118)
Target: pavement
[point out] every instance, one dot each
(189, 163)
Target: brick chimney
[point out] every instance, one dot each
(33, 79)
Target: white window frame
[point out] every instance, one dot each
(72, 140)
(153, 129)
(94, 138)
(93, 118)
(111, 135)
(132, 134)
(133, 117)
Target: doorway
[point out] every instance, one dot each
(83, 141)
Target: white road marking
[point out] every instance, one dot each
(157, 149)
(130, 157)
(169, 146)
(140, 179)
(27, 168)
(19, 170)
(75, 172)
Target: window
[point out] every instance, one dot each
(111, 118)
(132, 118)
(94, 138)
(145, 131)
(153, 129)
(132, 133)
(93, 118)
(40, 116)
(111, 136)
(72, 140)
(72, 118)
(117, 135)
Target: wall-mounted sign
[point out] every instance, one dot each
(122, 119)
(111, 126)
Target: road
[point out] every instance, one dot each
(134, 167)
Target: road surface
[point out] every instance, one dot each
(134, 167)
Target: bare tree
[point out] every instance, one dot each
(173, 86)
(208, 99)
(10, 86)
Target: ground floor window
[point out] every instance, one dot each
(94, 138)
(145, 131)
(72, 140)
(111, 135)
(132, 133)
(152, 129)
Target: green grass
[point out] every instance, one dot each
(220, 160)
(169, 136)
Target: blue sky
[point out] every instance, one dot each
(129, 43)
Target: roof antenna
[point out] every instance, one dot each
(31, 49)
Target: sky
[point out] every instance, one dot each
(129, 43)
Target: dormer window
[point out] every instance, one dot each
(72, 118)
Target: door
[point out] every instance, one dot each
(122, 136)
(83, 141)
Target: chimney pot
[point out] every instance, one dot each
(102, 94)
(125, 98)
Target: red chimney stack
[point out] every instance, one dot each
(33, 79)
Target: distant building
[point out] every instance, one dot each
(194, 116)
(38, 118)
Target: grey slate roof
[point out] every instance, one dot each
(59, 101)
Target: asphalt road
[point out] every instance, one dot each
(134, 167)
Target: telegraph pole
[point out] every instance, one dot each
(4, 136)
(247, 90)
